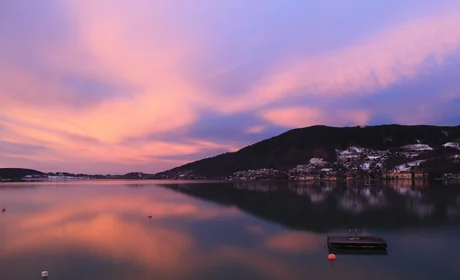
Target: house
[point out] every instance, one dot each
(394, 175)
(351, 177)
(420, 174)
(405, 175)
(330, 178)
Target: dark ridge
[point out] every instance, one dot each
(298, 146)
(18, 173)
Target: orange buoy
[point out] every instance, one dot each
(150, 216)
(3, 209)
(331, 257)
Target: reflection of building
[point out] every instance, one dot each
(330, 178)
(403, 175)
(451, 176)
(306, 178)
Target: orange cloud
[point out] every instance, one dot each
(63, 146)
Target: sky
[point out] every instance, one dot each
(114, 86)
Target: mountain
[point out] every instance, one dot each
(345, 149)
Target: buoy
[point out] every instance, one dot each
(150, 216)
(44, 274)
(331, 257)
(3, 209)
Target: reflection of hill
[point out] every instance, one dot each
(330, 207)
(17, 186)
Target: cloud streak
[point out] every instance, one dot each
(399, 52)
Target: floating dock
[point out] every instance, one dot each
(354, 243)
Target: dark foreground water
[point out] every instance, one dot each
(100, 230)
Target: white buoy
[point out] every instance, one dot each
(44, 274)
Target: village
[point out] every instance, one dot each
(357, 164)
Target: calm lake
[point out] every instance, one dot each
(264, 230)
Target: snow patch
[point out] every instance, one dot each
(403, 167)
(356, 150)
(374, 157)
(411, 154)
(365, 166)
(454, 145)
(350, 156)
(317, 161)
(345, 153)
(408, 165)
(416, 162)
(418, 147)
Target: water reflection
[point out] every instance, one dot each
(100, 230)
(336, 207)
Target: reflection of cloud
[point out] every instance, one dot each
(122, 205)
(110, 237)
(112, 226)
(294, 242)
(255, 229)
(267, 266)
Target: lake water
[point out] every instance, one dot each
(100, 230)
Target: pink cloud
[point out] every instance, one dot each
(68, 152)
(157, 96)
(141, 52)
(391, 56)
(255, 129)
(306, 116)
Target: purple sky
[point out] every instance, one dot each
(113, 86)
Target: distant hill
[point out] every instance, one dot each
(133, 176)
(18, 173)
(298, 146)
